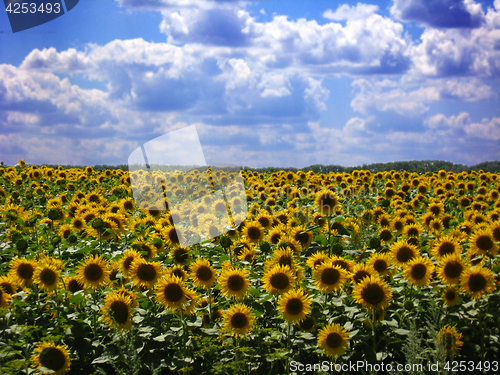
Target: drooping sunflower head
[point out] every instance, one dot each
(234, 282)
(373, 293)
(93, 272)
(328, 277)
(53, 357)
(418, 271)
(117, 310)
(477, 281)
(180, 255)
(202, 273)
(278, 278)
(402, 252)
(450, 296)
(333, 339)
(450, 339)
(8, 284)
(294, 305)
(238, 320)
(22, 270)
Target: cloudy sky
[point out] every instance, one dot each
(266, 83)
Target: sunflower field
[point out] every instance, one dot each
(375, 268)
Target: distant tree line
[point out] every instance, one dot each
(420, 166)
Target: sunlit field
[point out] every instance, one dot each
(388, 268)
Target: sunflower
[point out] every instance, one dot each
(450, 339)
(180, 255)
(238, 320)
(202, 273)
(8, 284)
(477, 281)
(234, 282)
(346, 264)
(278, 278)
(117, 310)
(482, 241)
(412, 230)
(72, 284)
(317, 259)
(418, 271)
(93, 272)
(380, 262)
(147, 251)
(333, 339)
(495, 230)
(444, 246)
(144, 273)
(304, 237)
(385, 234)
(284, 256)
(326, 202)
(373, 293)
(264, 220)
(4, 298)
(360, 271)
(254, 231)
(294, 305)
(450, 269)
(172, 292)
(402, 252)
(51, 356)
(172, 236)
(328, 277)
(276, 233)
(22, 270)
(46, 276)
(450, 296)
(126, 260)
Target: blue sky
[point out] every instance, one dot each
(267, 83)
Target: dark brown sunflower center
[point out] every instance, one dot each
(204, 273)
(235, 282)
(327, 201)
(264, 221)
(496, 234)
(93, 272)
(279, 281)
(303, 238)
(147, 250)
(360, 275)
(307, 323)
(436, 210)
(385, 235)
(446, 248)
(450, 295)
(380, 265)
(181, 255)
(127, 205)
(341, 264)
(127, 262)
(74, 286)
(285, 260)
(398, 225)
(477, 282)
(413, 232)
(120, 311)
(172, 236)
(373, 294)
(213, 231)
(484, 243)
(179, 273)
(25, 271)
(404, 254)
(453, 270)
(294, 306)
(254, 233)
(418, 271)
(146, 272)
(220, 207)
(330, 276)
(173, 292)
(78, 224)
(53, 359)
(48, 277)
(334, 340)
(7, 287)
(239, 320)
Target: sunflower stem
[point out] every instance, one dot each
(288, 336)
(209, 306)
(374, 331)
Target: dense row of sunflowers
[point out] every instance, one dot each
(390, 266)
